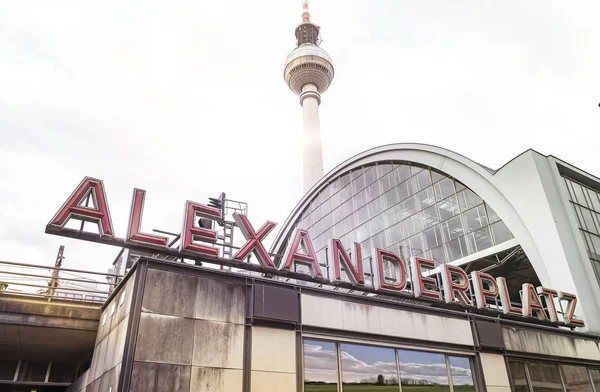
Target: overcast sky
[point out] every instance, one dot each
(186, 99)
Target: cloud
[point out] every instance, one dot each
(320, 365)
(187, 99)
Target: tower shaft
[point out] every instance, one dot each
(313, 152)
(308, 72)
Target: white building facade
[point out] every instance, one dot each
(537, 213)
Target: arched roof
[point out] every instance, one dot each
(473, 175)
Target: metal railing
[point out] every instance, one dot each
(55, 283)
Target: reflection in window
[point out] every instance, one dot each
(544, 377)
(462, 377)
(320, 364)
(576, 378)
(366, 368)
(519, 378)
(422, 371)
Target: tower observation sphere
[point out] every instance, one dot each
(308, 72)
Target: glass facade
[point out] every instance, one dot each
(551, 377)
(371, 368)
(410, 210)
(586, 205)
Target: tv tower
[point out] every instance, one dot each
(308, 72)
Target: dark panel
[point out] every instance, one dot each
(33, 371)
(7, 369)
(489, 334)
(276, 303)
(169, 293)
(158, 377)
(62, 372)
(165, 339)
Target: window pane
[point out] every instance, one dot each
(444, 188)
(422, 371)
(544, 377)
(579, 194)
(576, 378)
(467, 199)
(456, 249)
(492, 216)
(475, 219)
(462, 378)
(448, 207)
(403, 173)
(480, 240)
(320, 364)
(519, 379)
(423, 179)
(426, 197)
(452, 228)
(501, 232)
(372, 368)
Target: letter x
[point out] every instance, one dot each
(254, 244)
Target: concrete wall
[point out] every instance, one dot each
(323, 312)
(495, 372)
(273, 360)
(551, 344)
(190, 335)
(104, 371)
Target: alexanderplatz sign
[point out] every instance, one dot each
(197, 243)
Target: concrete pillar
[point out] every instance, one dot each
(495, 373)
(313, 152)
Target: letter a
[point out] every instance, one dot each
(73, 208)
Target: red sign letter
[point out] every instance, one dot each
(292, 254)
(134, 233)
(190, 233)
(254, 244)
(397, 265)
(420, 283)
(549, 296)
(569, 314)
(507, 307)
(532, 303)
(481, 294)
(454, 291)
(337, 254)
(73, 207)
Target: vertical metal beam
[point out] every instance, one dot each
(562, 379)
(449, 373)
(589, 371)
(248, 320)
(48, 371)
(398, 369)
(16, 377)
(528, 376)
(133, 325)
(299, 361)
(338, 363)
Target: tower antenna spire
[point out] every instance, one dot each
(305, 13)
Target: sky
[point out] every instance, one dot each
(186, 99)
